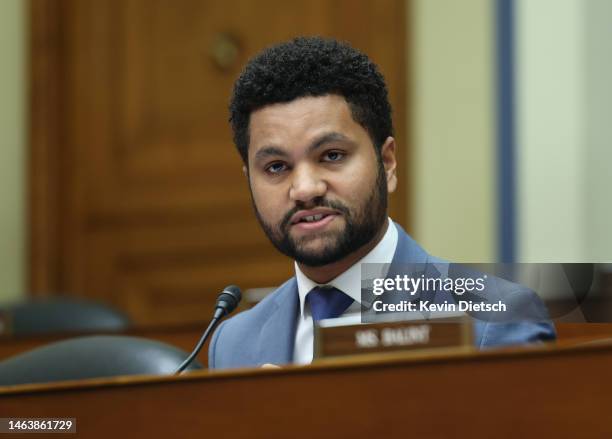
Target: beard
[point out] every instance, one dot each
(362, 225)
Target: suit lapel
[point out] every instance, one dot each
(407, 253)
(277, 335)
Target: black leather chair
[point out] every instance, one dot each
(92, 357)
(61, 314)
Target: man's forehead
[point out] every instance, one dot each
(302, 119)
(302, 110)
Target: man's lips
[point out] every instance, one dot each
(313, 215)
(311, 220)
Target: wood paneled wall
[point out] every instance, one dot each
(137, 194)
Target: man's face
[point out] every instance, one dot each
(319, 189)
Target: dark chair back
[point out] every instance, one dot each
(61, 314)
(92, 357)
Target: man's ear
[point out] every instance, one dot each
(387, 154)
(245, 171)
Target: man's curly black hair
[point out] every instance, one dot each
(311, 66)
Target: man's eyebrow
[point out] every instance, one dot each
(327, 138)
(268, 151)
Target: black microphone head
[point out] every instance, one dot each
(229, 298)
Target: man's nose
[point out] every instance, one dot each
(307, 184)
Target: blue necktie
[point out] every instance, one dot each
(327, 303)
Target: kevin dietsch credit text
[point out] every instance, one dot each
(427, 306)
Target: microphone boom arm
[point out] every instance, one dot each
(226, 302)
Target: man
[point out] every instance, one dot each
(312, 123)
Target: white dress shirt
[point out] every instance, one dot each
(348, 282)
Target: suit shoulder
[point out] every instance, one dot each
(261, 310)
(249, 319)
(235, 338)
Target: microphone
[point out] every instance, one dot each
(227, 302)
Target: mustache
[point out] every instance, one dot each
(317, 202)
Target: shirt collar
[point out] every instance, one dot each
(349, 282)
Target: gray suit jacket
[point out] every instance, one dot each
(266, 333)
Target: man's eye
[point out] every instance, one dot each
(276, 168)
(333, 156)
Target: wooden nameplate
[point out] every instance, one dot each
(347, 336)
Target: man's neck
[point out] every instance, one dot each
(326, 273)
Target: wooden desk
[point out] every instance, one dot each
(549, 391)
(185, 337)
(578, 331)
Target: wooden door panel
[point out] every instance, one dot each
(153, 212)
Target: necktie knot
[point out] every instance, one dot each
(327, 303)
